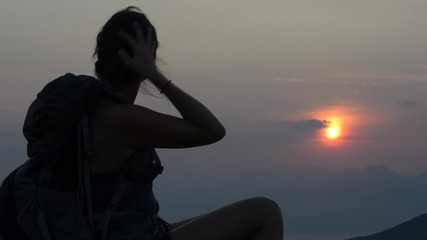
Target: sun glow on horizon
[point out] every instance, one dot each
(333, 130)
(334, 125)
(332, 133)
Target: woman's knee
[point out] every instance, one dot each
(266, 207)
(265, 203)
(271, 214)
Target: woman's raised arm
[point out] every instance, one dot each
(198, 126)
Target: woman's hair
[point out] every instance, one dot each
(109, 67)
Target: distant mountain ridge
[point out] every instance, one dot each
(314, 200)
(415, 229)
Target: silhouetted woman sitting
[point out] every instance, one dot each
(126, 54)
(121, 133)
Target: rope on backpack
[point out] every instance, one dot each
(41, 220)
(84, 191)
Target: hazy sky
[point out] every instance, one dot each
(278, 73)
(271, 70)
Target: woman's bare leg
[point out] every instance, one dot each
(251, 219)
(182, 222)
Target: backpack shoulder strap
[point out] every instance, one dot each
(102, 227)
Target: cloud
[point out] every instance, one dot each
(312, 124)
(407, 103)
(288, 79)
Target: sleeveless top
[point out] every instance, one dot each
(139, 197)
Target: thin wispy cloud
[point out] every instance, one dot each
(409, 103)
(389, 77)
(288, 79)
(312, 124)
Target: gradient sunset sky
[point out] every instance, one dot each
(277, 73)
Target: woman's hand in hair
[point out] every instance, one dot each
(141, 60)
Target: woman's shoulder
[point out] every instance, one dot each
(121, 122)
(107, 111)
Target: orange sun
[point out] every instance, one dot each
(333, 130)
(333, 133)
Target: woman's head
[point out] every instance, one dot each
(108, 66)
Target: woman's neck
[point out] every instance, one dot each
(131, 91)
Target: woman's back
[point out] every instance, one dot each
(109, 148)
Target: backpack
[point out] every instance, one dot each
(49, 196)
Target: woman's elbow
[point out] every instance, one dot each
(209, 136)
(221, 133)
(218, 134)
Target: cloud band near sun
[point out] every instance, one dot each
(311, 124)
